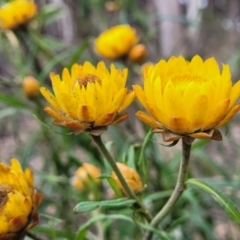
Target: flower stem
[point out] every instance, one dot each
(131, 194)
(178, 190)
(33, 236)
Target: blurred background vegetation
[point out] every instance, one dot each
(63, 33)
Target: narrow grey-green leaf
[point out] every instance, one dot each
(114, 186)
(227, 205)
(117, 203)
(86, 206)
(11, 101)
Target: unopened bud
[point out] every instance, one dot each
(85, 176)
(131, 177)
(30, 86)
(138, 53)
(111, 6)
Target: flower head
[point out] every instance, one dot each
(30, 86)
(88, 98)
(131, 176)
(85, 176)
(116, 42)
(16, 13)
(18, 200)
(187, 98)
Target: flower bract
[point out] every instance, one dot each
(16, 13)
(116, 42)
(88, 98)
(18, 200)
(187, 98)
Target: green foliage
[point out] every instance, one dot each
(118, 203)
(227, 205)
(57, 38)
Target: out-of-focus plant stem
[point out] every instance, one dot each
(33, 236)
(99, 226)
(131, 194)
(178, 190)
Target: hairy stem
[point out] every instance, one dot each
(178, 190)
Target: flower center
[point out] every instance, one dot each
(4, 190)
(88, 78)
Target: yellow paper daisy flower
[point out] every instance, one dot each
(18, 200)
(16, 13)
(116, 42)
(187, 98)
(88, 98)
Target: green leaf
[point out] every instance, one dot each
(104, 176)
(131, 157)
(114, 186)
(227, 205)
(12, 101)
(142, 159)
(164, 235)
(118, 203)
(78, 53)
(86, 206)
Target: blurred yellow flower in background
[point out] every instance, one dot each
(18, 200)
(116, 42)
(85, 176)
(187, 98)
(132, 178)
(16, 13)
(89, 98)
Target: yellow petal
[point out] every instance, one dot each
(198, 111)
(148, 120)
(140, 95)
(235, 92)
(118, 99)
(172, 99)
(127, 101)
(211, 68)
(49, 97)
(85, 114)
(196, 65)
(120, 118)
(105, 119)
(180, 125)
(217, 114)
(230, 114)
(54, 114)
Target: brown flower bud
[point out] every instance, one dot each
(111, 6)
(30, 86)
(138, 53)
(132, 178)
(85, 176)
